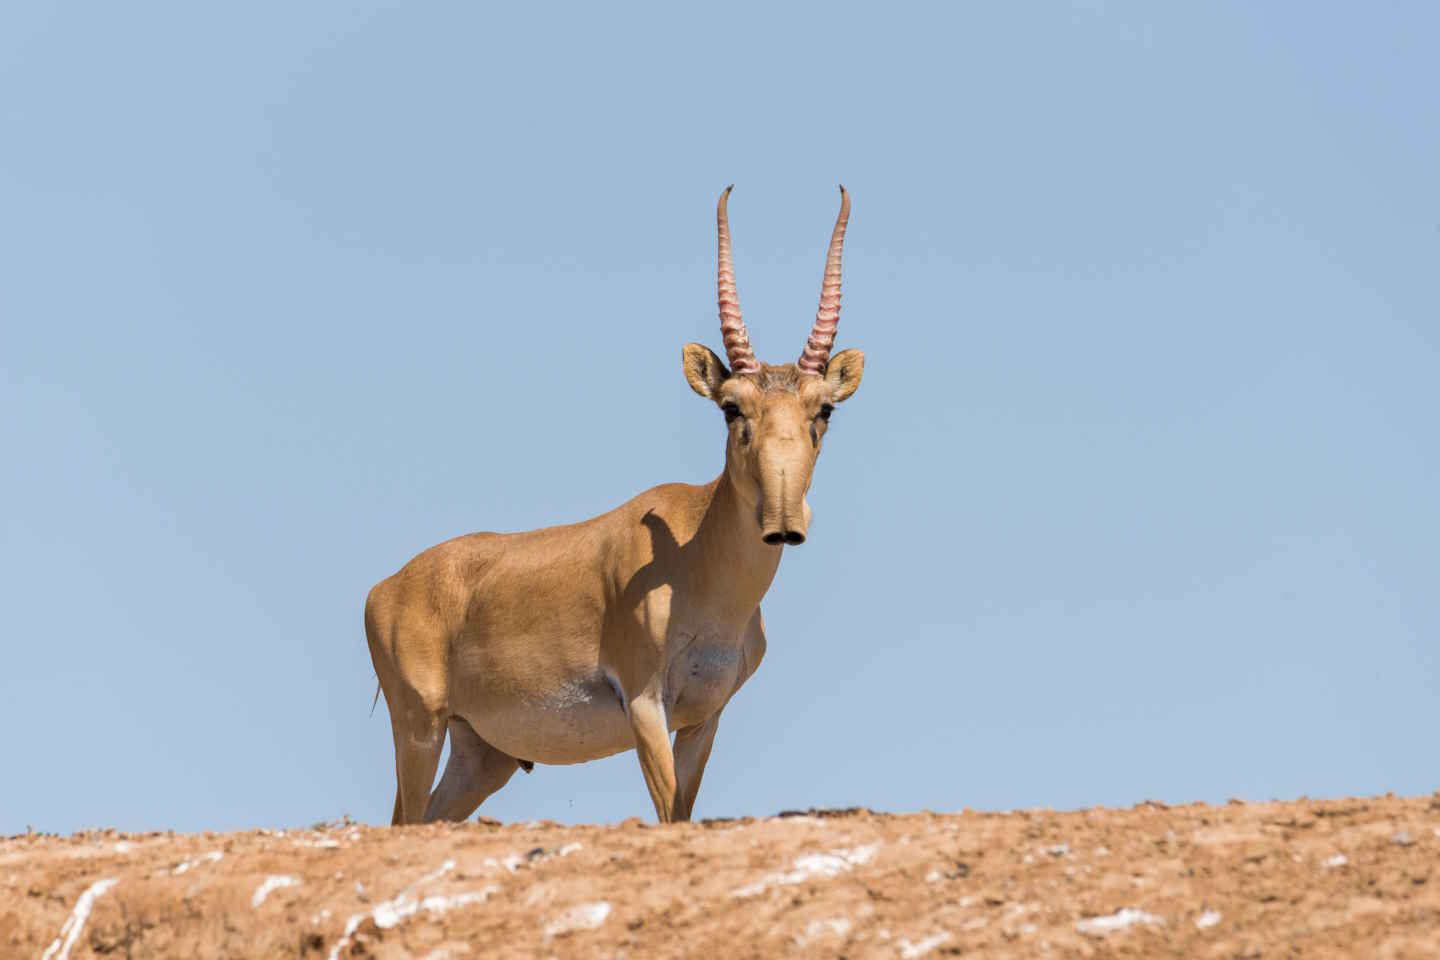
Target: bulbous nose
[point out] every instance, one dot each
(784, 462)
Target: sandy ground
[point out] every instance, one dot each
(1335, 878)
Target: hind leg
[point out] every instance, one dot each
(409, 653)
(475, 771)
(417, 723)
(419, 738)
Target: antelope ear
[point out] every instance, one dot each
(704, 370)
(843, 374)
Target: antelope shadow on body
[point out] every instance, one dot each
(576, 642)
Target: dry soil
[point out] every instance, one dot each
(1333, 878)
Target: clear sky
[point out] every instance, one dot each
(1137, 500)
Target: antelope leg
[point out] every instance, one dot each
(692, 750)
(474, 771)
(419, 739)
(657, 763)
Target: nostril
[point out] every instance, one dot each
(794, 537)
(774, 538)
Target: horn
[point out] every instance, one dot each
(732, 328)
(816, 355)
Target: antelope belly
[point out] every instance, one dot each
(579, 720)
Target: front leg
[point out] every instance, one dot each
(657, 763)
(692, 744)
(692, 749)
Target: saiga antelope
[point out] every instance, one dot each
(577, 642)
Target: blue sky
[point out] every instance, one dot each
(1137, 500)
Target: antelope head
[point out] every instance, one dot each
(776, 415)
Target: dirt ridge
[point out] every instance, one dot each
(1342, 878)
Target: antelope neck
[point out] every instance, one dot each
(729, 545)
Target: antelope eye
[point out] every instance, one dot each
(825, 411)
(731, 411)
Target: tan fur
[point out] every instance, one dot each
(576, 642)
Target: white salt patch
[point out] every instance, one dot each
(388, 914)
(272, 883)
(124, 846)
(403, 906)
(910, 950)
(448, 951)
(1207, 919)
(436, 874)
(816, 929)
(934, 876)
(70, 930)
(812, 865)
(1119, 920)
(391, 912)
(583, 916)
(214, 856)
(1339, 860)
(326, 844)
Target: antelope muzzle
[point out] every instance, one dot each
(784, 514)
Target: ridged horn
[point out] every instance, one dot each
(732, 327)
(816, 355)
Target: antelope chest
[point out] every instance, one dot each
(702, 677)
